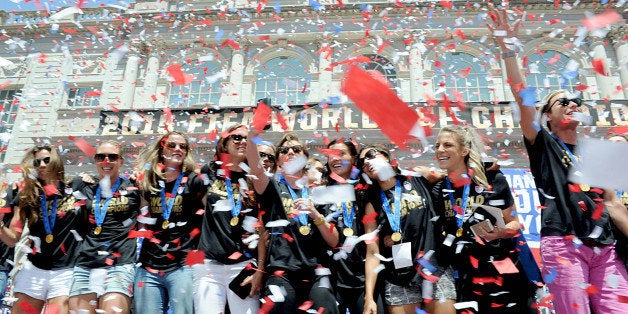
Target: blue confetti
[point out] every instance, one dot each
(528, 95)
(337, 29)
(419, 310)
(315, 5)
(277, 7)
(568, 75)
(219, 34)
(549, 278)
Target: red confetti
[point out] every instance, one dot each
(179, 77)
(195, 257)
(50, 189)
(236, 255)
(261, 116)
(601, 20)
(85, 147)
(599, 66)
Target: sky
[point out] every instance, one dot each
(28, 5)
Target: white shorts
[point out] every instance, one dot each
(43, 284)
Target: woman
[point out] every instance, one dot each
(47, 205)
(570, 209)
(227, 234)
(267, 155)
(474, 247)
(400, 210)
(104, 271)
(174, 196)
(299, 234)
(348, 262)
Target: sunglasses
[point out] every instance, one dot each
(285, 149)
(37, 161)
(237, 138)
(565, 102)
(270, 157)
(369, 155)
(111, 157)
(173, 145)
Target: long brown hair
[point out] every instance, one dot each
(29, 195)
(152, 156)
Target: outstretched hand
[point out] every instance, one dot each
(501, 28)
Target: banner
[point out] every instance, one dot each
(527, 202)
(333, 117)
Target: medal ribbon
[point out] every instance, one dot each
(49, 218)
(571, 155)
(302, 217)
(347, 214)
(394, 214)
(100, 213)
(465, 197)
(166, 210)
(237, 205)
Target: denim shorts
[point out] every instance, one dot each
(400, 295)
(42, 284)
(118, 279)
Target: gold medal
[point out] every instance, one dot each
(49, 238)
(459, 232)
(396, 237)
(97, 230)
(304, 230)
(234, 221)
(585, 187)
(165, 224)
(347, 232)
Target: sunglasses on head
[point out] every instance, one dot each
(173, 145)
(237, 138)
(270, 157)
(285, 149)
(565, 102)
(111, 157)
(37, 161)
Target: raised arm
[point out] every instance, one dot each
(371, 262)
(252, 157)
(505, 35)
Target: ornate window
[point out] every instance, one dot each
(8, 111)
(384, 66)
(284, 80)
(461, 75)
(204, 90)
(83, 96)
(550, 70)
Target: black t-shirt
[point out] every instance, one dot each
(288, 249)
(564, 213)
(111, 246)
(61, 252)
(219, 239)
(168, 248)
(349, 271)
(498, 196)
(6, 252)
(416, 227)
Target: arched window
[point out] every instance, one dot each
(204, 90)
(461, 75)
(384, 66)
(550, 70)
(284, 80)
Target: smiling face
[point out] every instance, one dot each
(340, 161)
(367, 156)
(175, 148)
(289, 150)
(559, 116)
(108, 160)
(267, 156)
(236, 145)
(450, 154)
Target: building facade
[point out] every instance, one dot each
(129, 73)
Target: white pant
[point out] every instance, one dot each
(211, 289)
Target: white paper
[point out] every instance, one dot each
(402, 255)
(602, 165)
(332, 194)
(495, 212)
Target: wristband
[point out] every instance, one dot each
(508, 54)
(319, 222)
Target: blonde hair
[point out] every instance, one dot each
(29, 195)
(468, 137)
(150, 158)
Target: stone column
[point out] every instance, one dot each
(621, 51)
(604, 82)
(129, 80)
(415, 62)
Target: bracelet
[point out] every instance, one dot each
(319, 222)
(2, 225)
(508, 54)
